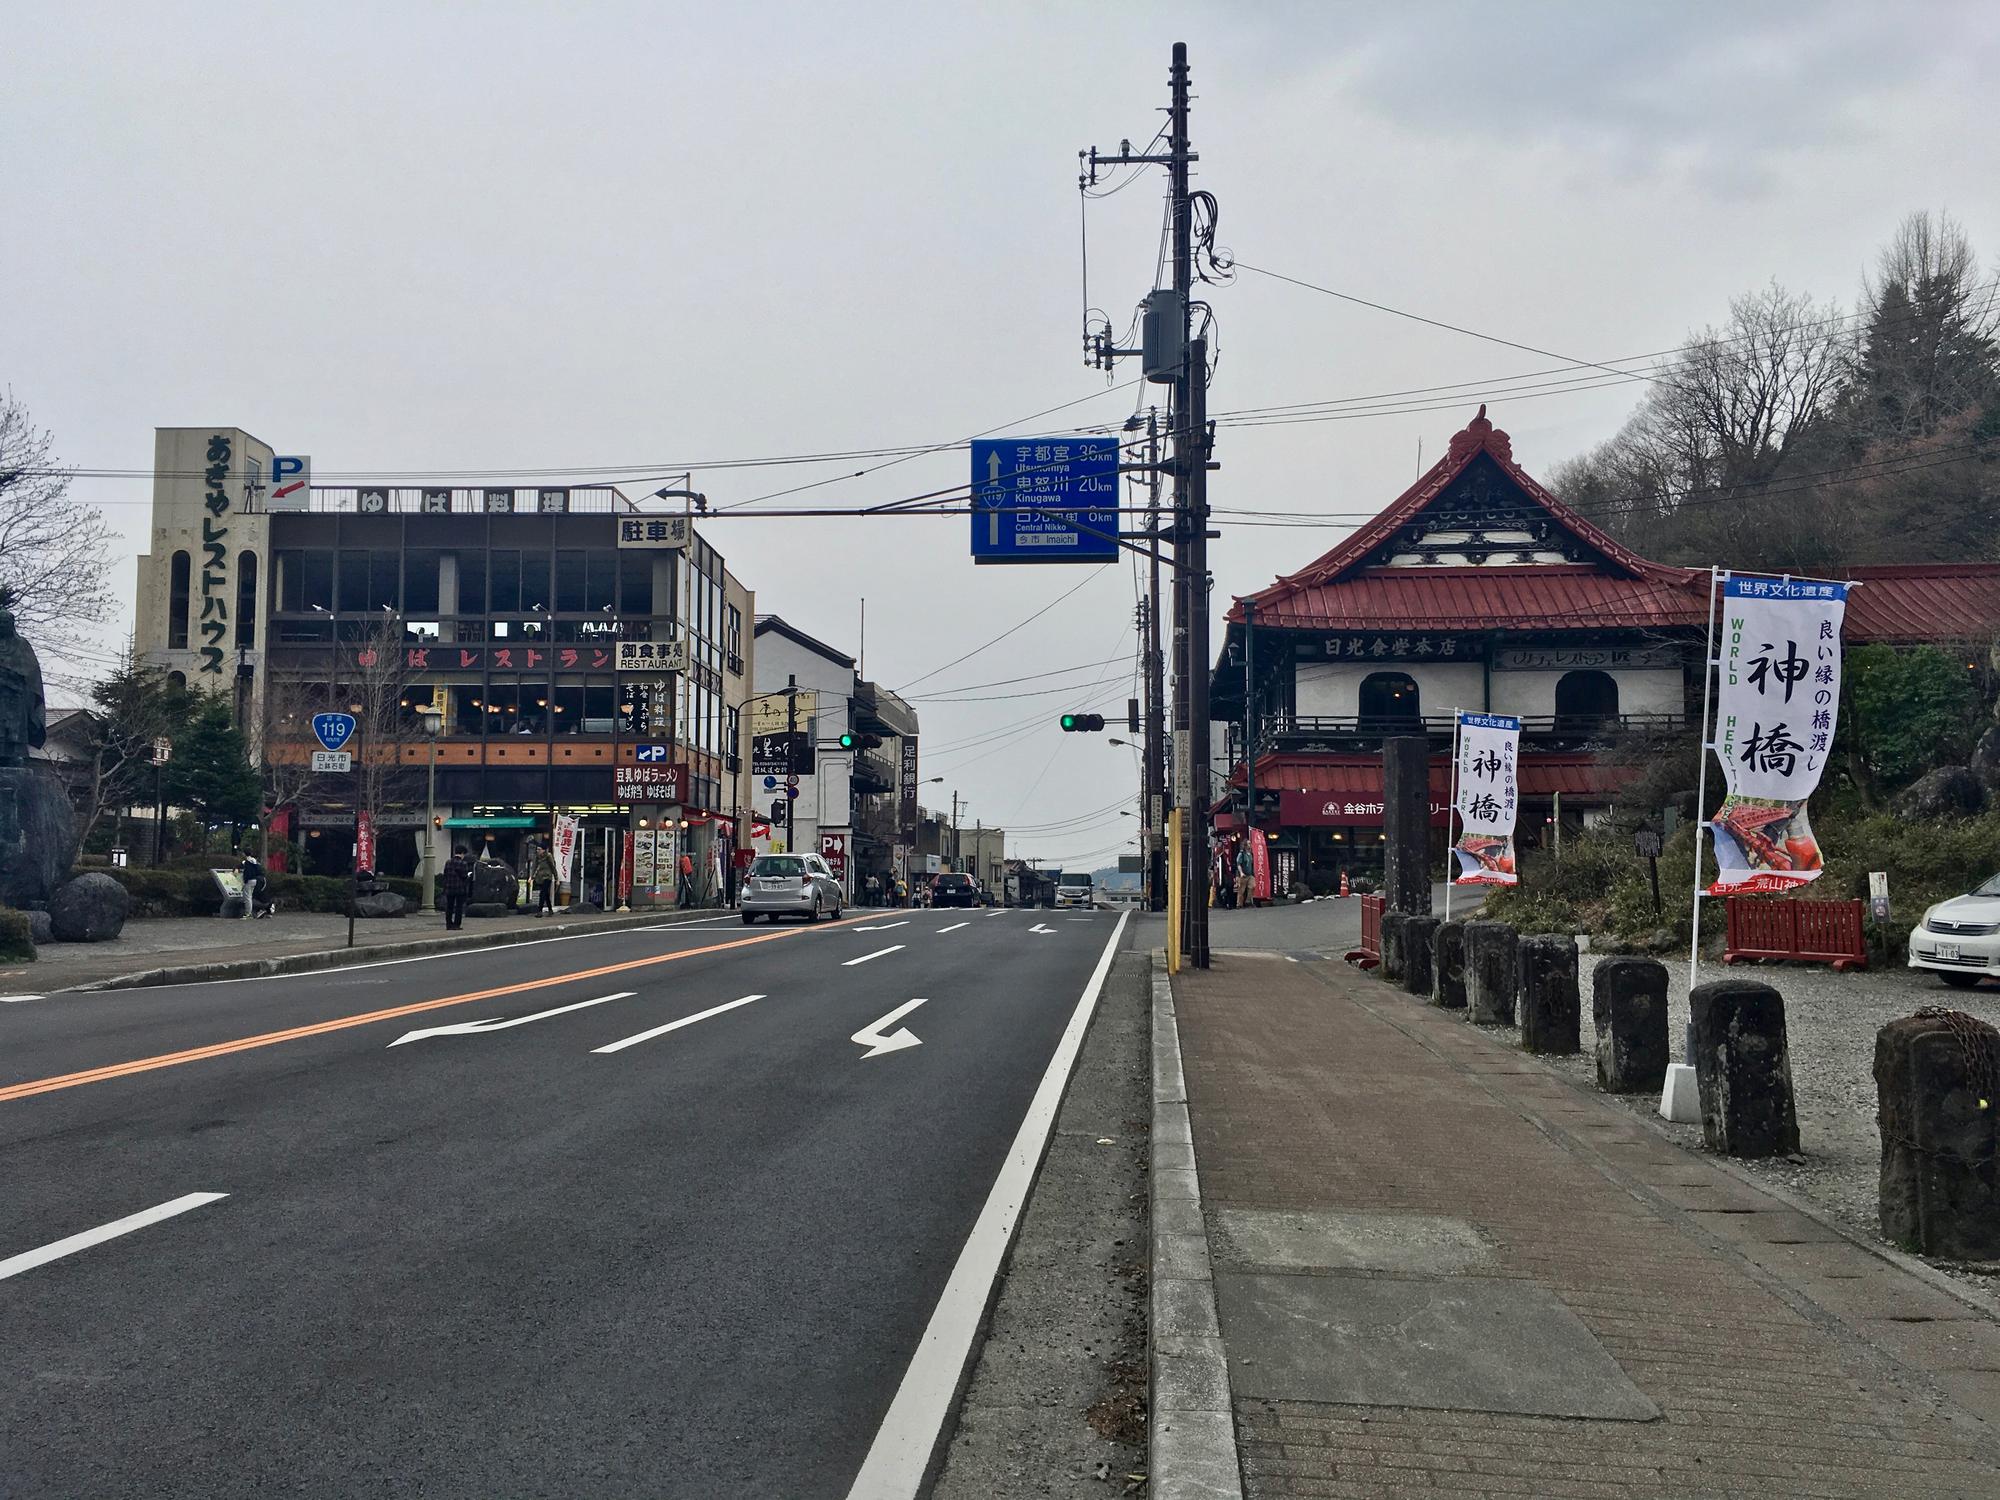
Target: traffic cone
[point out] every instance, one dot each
(1343, 885)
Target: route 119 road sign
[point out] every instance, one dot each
(333, 730)
(1045, 500)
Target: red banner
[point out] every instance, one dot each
(1260, 866)
(364, 841)
(625, 872)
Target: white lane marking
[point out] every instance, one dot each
(1041, 927)
(500, 1023)
(17, 999)
(954, 927)
(14, 1265)
(1289, 959)
(901, 1453)
(648, 1035)
(878, 1041)
(884, 926)
(878, 953)
(997, 912)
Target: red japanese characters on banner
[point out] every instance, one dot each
(364, 841)
(1260, 865)
(625, 872)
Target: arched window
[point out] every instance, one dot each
(177, 681)
(1389, 703)
(179, 576)
(1585, 701)
(246, 598)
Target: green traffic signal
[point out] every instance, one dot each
(1081, 723)
(1069, 723)
(847, 742)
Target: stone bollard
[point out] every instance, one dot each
(1395, 952)
(1417, 937)
(1448, 966)
(1937, 1089)
(1628, 1001)
(1551, 1013)
(1490, 966)
(1743, 1070)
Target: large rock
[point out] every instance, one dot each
(1743, 1069)
(1551, 1014)
(1395, 945)
(37, 836)
(1628, 1003)
(380, 904)
(41, 931)
(494, 884)
(1986, 761)
(89, 909)
(1419, 932)
(1490, 968)
(1948, 792)
(1448, 966)
(1940, 1184)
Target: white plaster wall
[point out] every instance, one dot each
(1640, 691)
(1327, 689)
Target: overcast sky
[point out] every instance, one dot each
(423, 237)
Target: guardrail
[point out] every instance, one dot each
(1813, 932)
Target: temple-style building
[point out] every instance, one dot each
(1476, 589)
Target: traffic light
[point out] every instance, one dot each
(1082, 723)
(847, 742)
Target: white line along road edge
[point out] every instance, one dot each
(27, 1260)
(901, 1453)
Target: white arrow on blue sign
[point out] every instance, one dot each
(333, 730)
(1044, 500)
(646, 754)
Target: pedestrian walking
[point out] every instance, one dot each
(542, 876)
(457, 888)
(254, 904)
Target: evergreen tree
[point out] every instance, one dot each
(210, 774)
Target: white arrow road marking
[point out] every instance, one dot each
(878, 953)
(878, 1041)
(954, 927)
(647, 1036)
(884, 926)
(17, 999)
(14, 1265)
(500, 1023)
(1041, 927)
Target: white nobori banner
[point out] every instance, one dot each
(1489, 798)
(1777, 701)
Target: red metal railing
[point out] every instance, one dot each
(1369, 953)
(1814, 932)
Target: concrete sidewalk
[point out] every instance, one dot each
(1440, 1268)
(175, 950)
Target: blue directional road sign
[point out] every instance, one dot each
(1045, 500)
(645, 754)
(334, 730)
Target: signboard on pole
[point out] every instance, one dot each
(652, 656)
(656, 533)
(332, 761)
(1045, 500)
(364, 840)
(565, 847)
(1777, 699)
(333, 730)
(1489, 797)
(650, 783)
(906, 791)
(291, 482)
(833, 849)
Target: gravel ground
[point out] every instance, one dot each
(1830, 1020)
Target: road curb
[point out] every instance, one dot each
(1190, 1429)
(342, 958)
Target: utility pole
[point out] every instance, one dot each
(1157, 799)
(792, 762)
(1250, 828)
(956, 862)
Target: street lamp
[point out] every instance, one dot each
(431, 718)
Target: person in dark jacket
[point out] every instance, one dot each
(254, 904)
(457, 883)
(542, 876)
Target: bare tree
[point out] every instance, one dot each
(54, 550)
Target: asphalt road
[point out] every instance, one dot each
(511, 1261)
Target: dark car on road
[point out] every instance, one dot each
(952, 889)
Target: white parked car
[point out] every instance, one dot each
(1959, 939)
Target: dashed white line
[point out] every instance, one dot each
(954, 927)
(648, 1035)
(14, 1265)
(878, 953)
(17, 999)
(884, 926)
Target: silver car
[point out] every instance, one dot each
(790, 885)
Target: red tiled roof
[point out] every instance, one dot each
(1905, 602)
(1361, 775)
(1545, 597)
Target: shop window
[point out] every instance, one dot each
(468, 703)
(179, 572)
(471, 585)
(1585, 701)
(600, 591)
(1389, 703)
(246, 598)
(566, 707)
(420, 581)
(572, 574)
(504, 569)
(535, 593)
(599, 697)
(635, 584)
(384, 587)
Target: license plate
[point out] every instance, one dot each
(1948, 951)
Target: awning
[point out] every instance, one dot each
(493, 822)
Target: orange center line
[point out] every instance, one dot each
(341, 1023)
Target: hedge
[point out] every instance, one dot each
(15, 943)
(193, 893)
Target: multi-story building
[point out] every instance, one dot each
(533, 653)
(854, 802)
